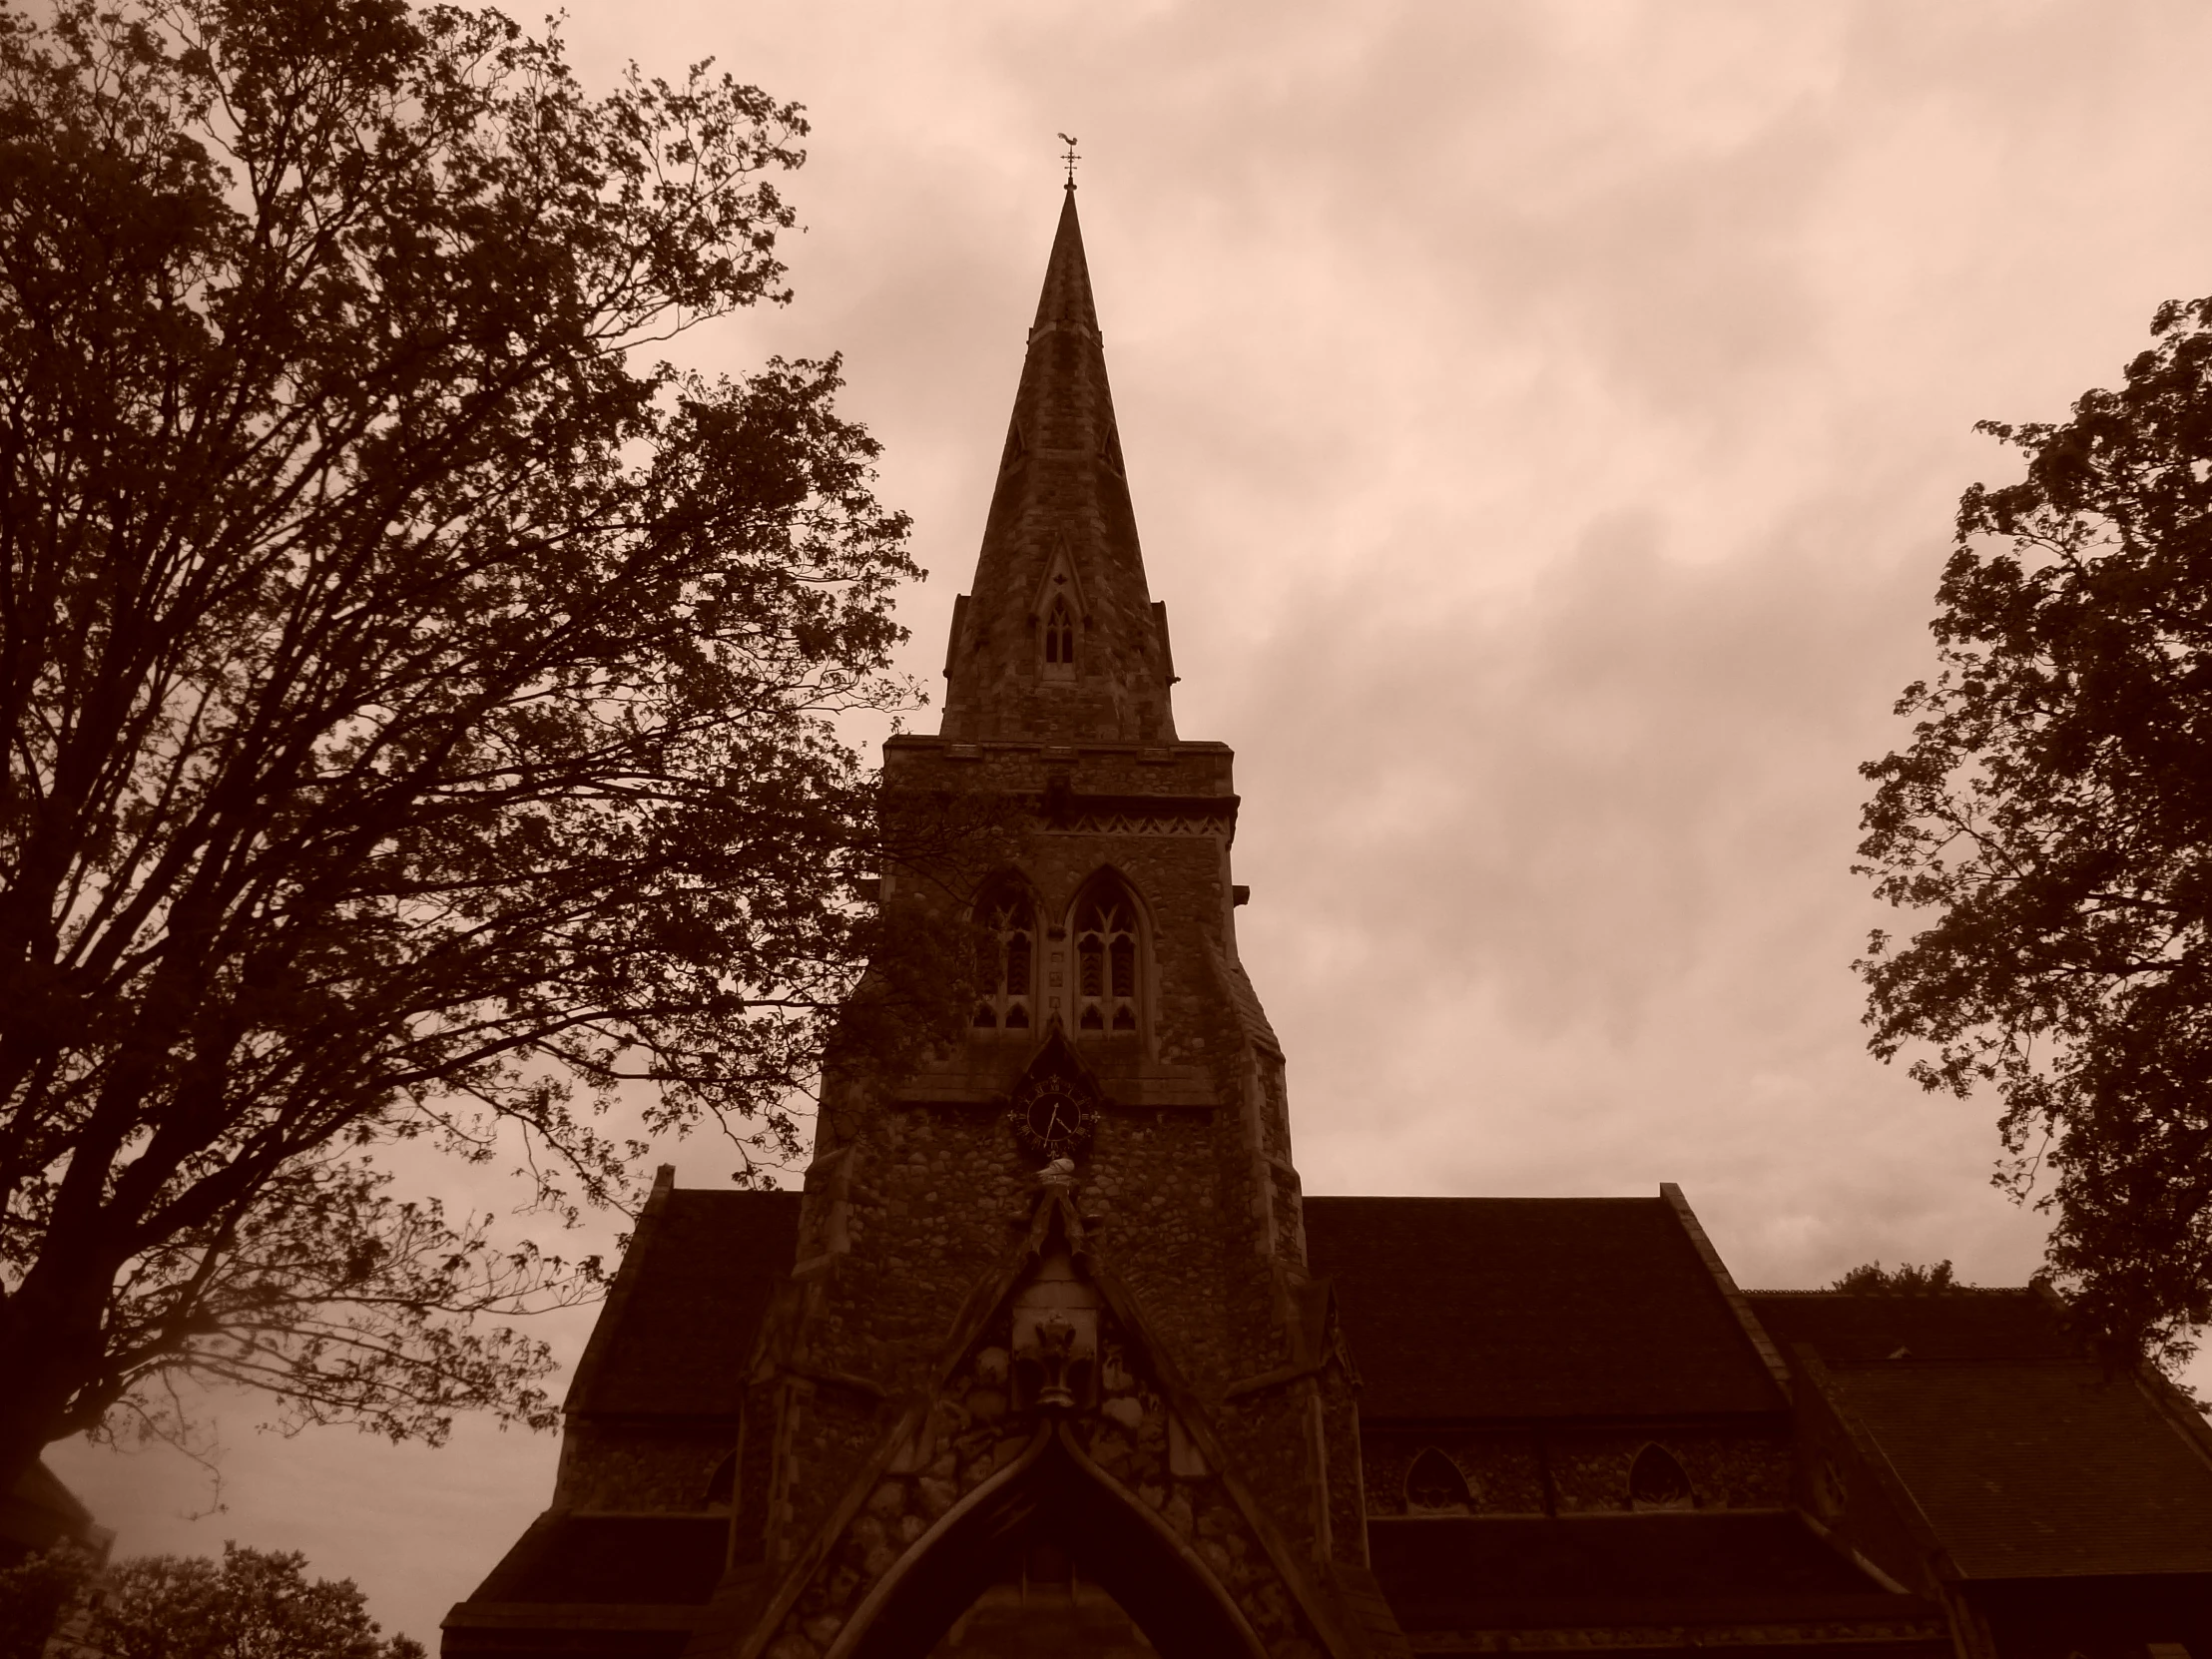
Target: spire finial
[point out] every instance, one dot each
(1071, 158)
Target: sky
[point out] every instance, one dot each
(1545, 423)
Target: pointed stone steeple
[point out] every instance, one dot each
(1059, 641)
(1047, 1372)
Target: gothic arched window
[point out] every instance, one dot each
(1059, 634)
(1007, 968)
(1657, 1481)
(1434, 1486)
(1106, 961)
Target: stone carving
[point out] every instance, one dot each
(1055, 1339)
(1051, 1369)
(1134, 823)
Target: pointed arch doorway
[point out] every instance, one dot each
(1051, 1498)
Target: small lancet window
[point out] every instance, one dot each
(1106, 963)
(1657, 1481)
(1059, 634)
(1006, 968)
(1436, 1486)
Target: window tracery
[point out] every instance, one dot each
(1059, 635)
(1007, 964)
(1434, 1486)
(1657, 1481)
(1106, 962)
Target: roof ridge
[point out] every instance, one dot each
(1905, 1296)
(1481, 1198)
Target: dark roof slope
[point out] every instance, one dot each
(655, 1560)
(1531, 1308)
(1846, 1329)
(37, 1511)
(2033, 1469)
(680, 1323)
(1484, 1573)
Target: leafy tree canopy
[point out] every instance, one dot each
(2054, 816)
(38, 1595)
(417, 700)
(253, 1604)
(1905, 1279)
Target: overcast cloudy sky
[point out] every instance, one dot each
(1544, 420)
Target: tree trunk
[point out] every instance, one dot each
(50, 1332)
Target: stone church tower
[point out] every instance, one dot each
(1051, 1363)
(1051, 1357)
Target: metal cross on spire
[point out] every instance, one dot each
(1071, 158)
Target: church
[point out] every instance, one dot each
(1053, 1355)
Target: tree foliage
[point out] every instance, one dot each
(2054, 814)
(1905, 1279)
(253, 1604)
(38, 1596)
(417, 700)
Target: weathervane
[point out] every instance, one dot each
(1071, 158)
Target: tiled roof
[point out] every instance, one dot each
(679, 1327)
(2032, 1468)
(37, 1511)
(567, 1560)
(1844, 1329)
(1530, 1308)
(1670, 1569)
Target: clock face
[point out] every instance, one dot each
(1055, 1116)
(1052, 1117)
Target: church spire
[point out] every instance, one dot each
(1059, 641)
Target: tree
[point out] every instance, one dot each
(418, 702)
(1905, 1279)
(2055, 813)
(253, 1604)
(39, 1594)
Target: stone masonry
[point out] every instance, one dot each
(1211, 1460)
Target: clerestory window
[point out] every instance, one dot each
(722, 1486)
(1106, 962)
(1657, 1481)
(1434, 1486)
(1007, 964)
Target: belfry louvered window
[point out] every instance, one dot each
(1059, 634)
(1106, 963)
(1007, 940)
